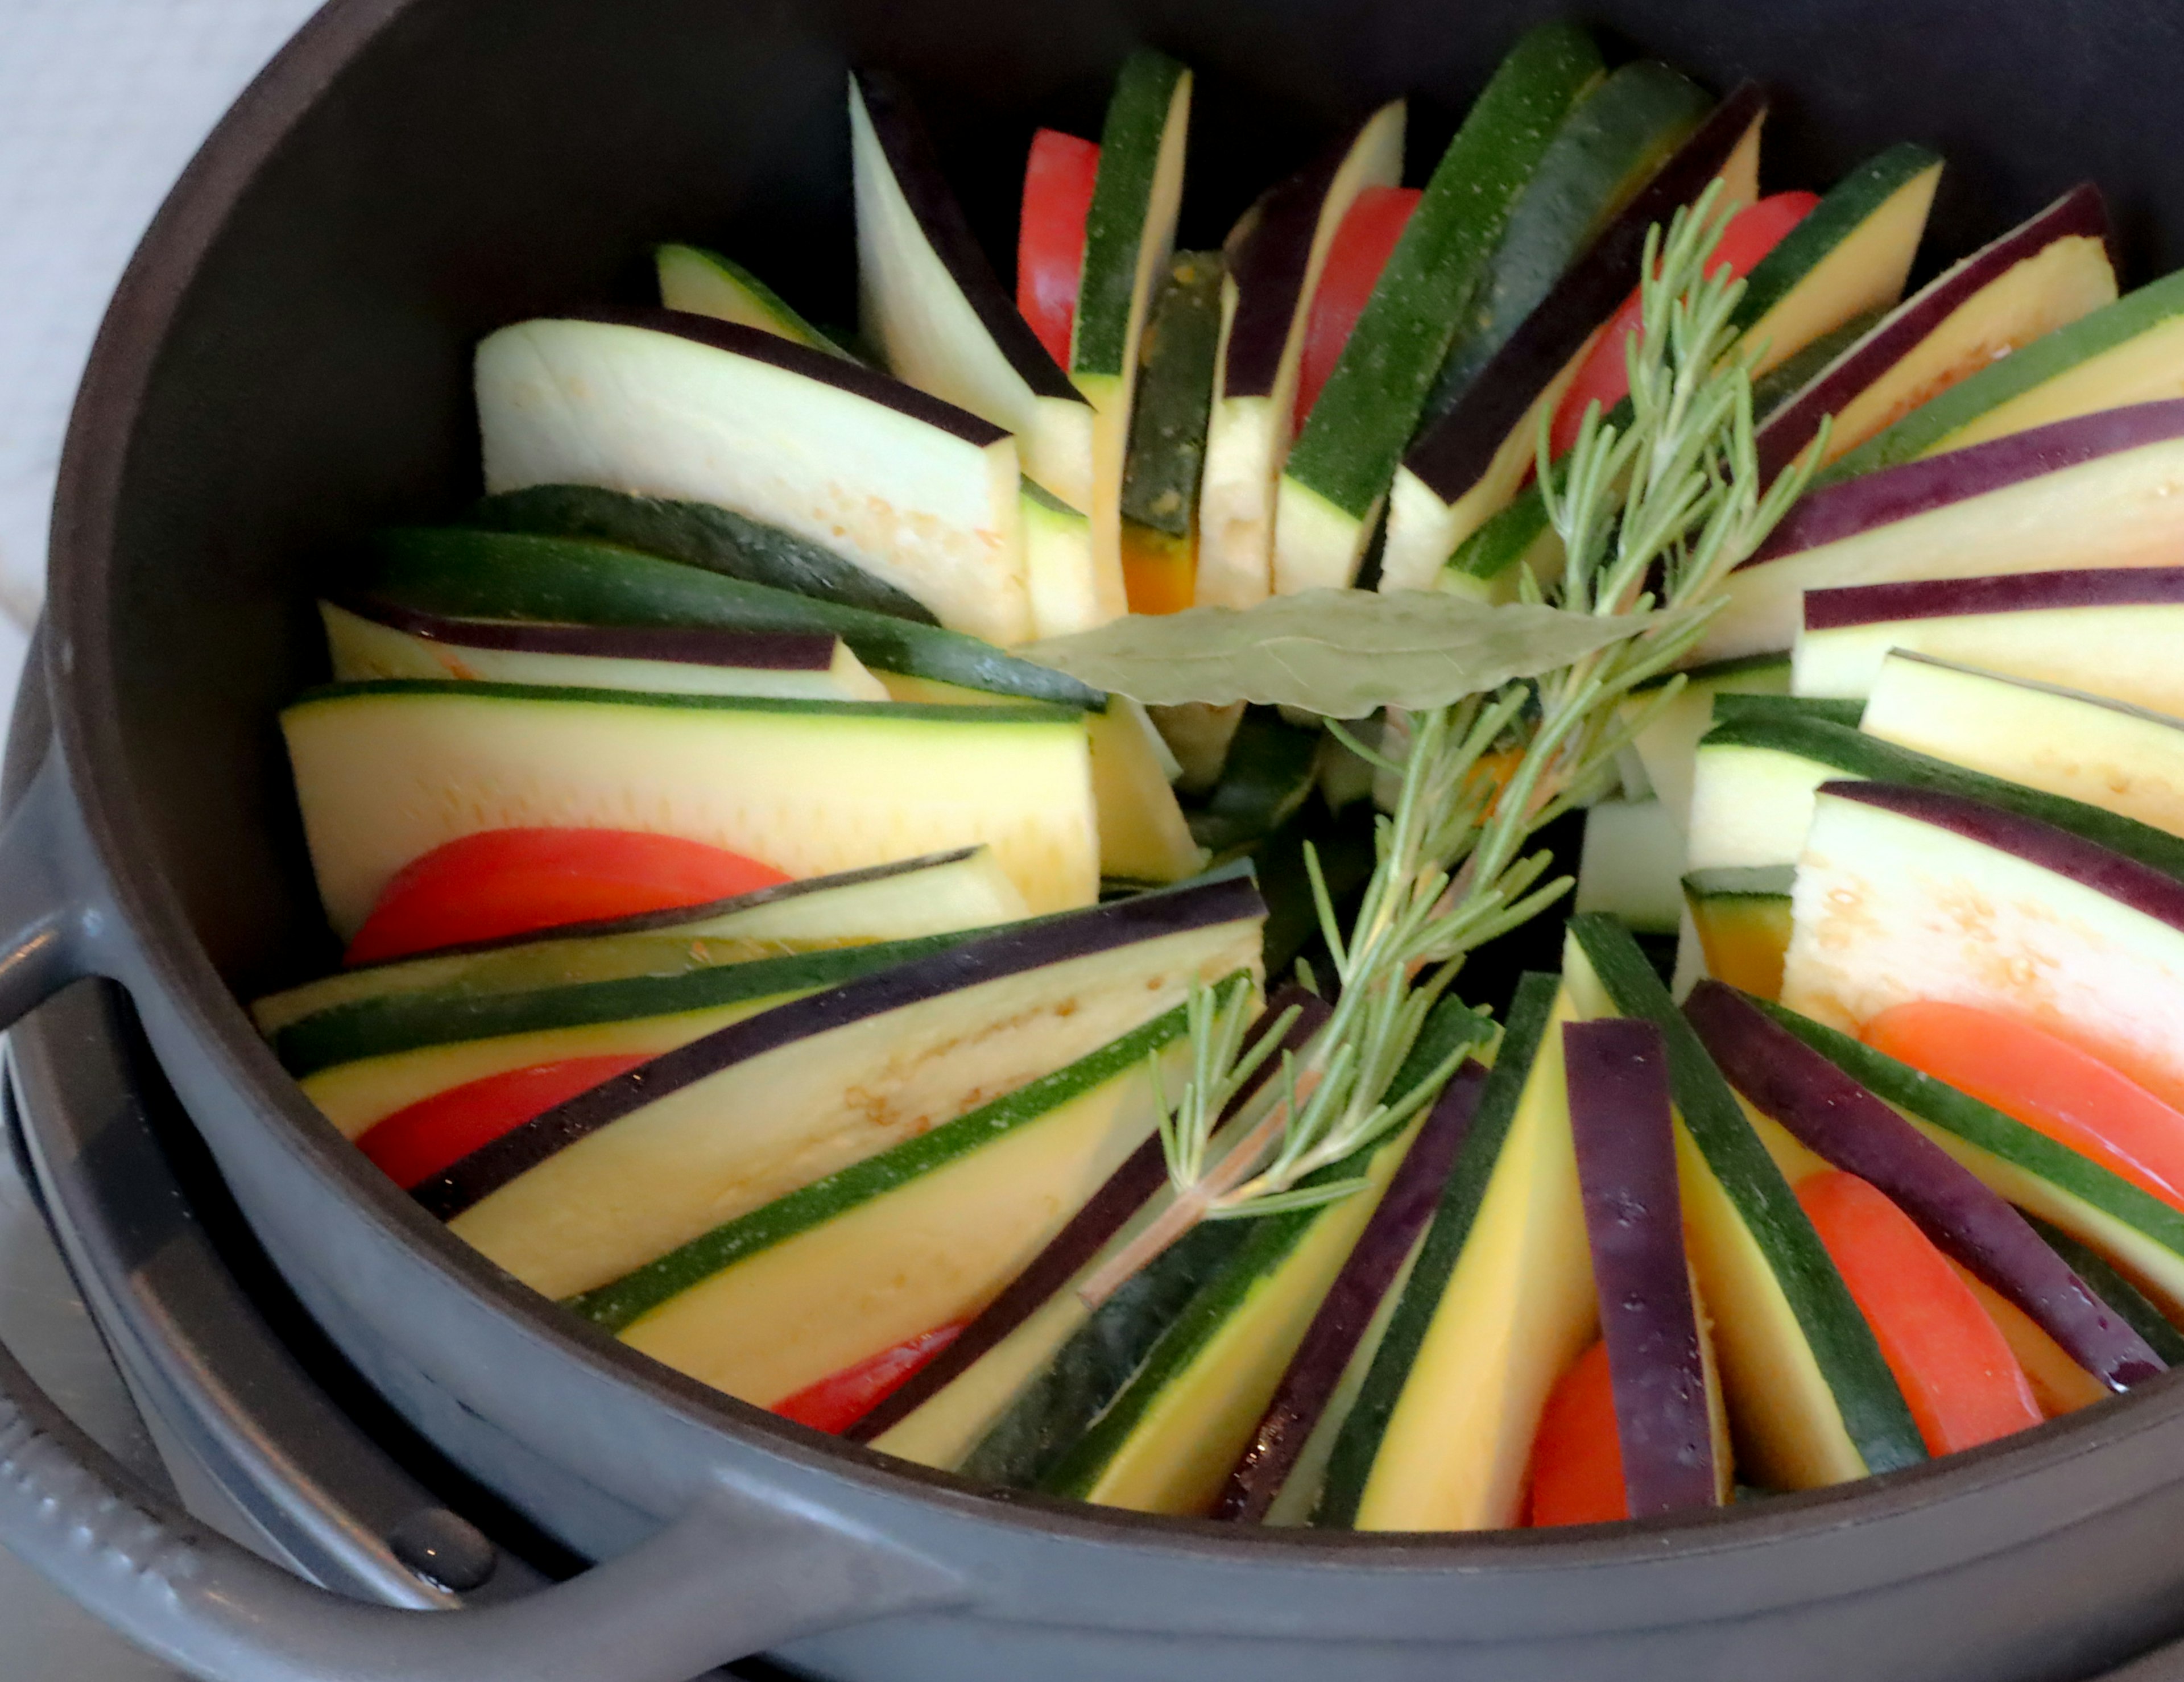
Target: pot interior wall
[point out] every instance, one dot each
(482, 160)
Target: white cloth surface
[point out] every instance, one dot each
(102, 102)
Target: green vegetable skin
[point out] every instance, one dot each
(1175, 395)
(1614, 140)
(698, 534)
(1263, 1283)
(1341, 465)
(470, 573)
(1873, 1414)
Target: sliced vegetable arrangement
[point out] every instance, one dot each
(926, 881)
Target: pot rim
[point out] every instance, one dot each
(79, 678)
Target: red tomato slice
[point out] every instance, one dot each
(504, 882)
(433, 1134)
(1577, 1458)
(2046, 1083)
(1058, 179)
(1604, 377)
(1363, 243)
(838, 1400)
(1951, 1360)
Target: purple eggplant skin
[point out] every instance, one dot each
(1104, 1214)
(1851, 506)
(2143, 888)
(680, 645)
(917, 168)
(1010, 951)
(1269, 266)
(1453, 453)
(2079, 213)
(824, 366)
(1626, 1168)
(1855, 605)
(1835, 1117)
(1316, 1369)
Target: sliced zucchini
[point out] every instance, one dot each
(1742, 920)
(1339, 470)
(378, 640)
(932, 895)
(701, 282)
(699, 534)
(385, 772)
(1176, 358)
(1144, 836)
(1265, 778)
(1667, 747)
(1814, 1402)
(1167, 1440)
(1570, 258)
(463, 573)
(1020, 1358)
(923, 1234)
(364, 1055)
(1759, 769)
(1129, 233)
(1498, 1302)
(918, 491)
(1275, 257)
(931, 302)
(1631, 864)
(595, 1189)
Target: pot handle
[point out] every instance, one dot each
(732, 1577)
(738, 1572)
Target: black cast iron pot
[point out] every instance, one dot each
(286, 364)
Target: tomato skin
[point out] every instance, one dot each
(1362, 245)
(504, 881)
(1576, 1457)
(433, 1134)
(1057, 194)
(840, 1400)
(1605, 377)
(1956, 1370)
(2045, 1082)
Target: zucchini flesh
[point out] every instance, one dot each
(922, 1235)
(956, 1401)
(934, 895)
(1339, 468)
(916, 490)
(1167, 1440)
(385, 772)
(465, 573)
(698, 534)
(1804, 1373)
(1129, 233)
(701, 282)
(621, 1175)
(1500, 1302)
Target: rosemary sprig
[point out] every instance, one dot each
(1652, 516)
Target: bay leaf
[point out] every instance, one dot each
(1337, 653)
